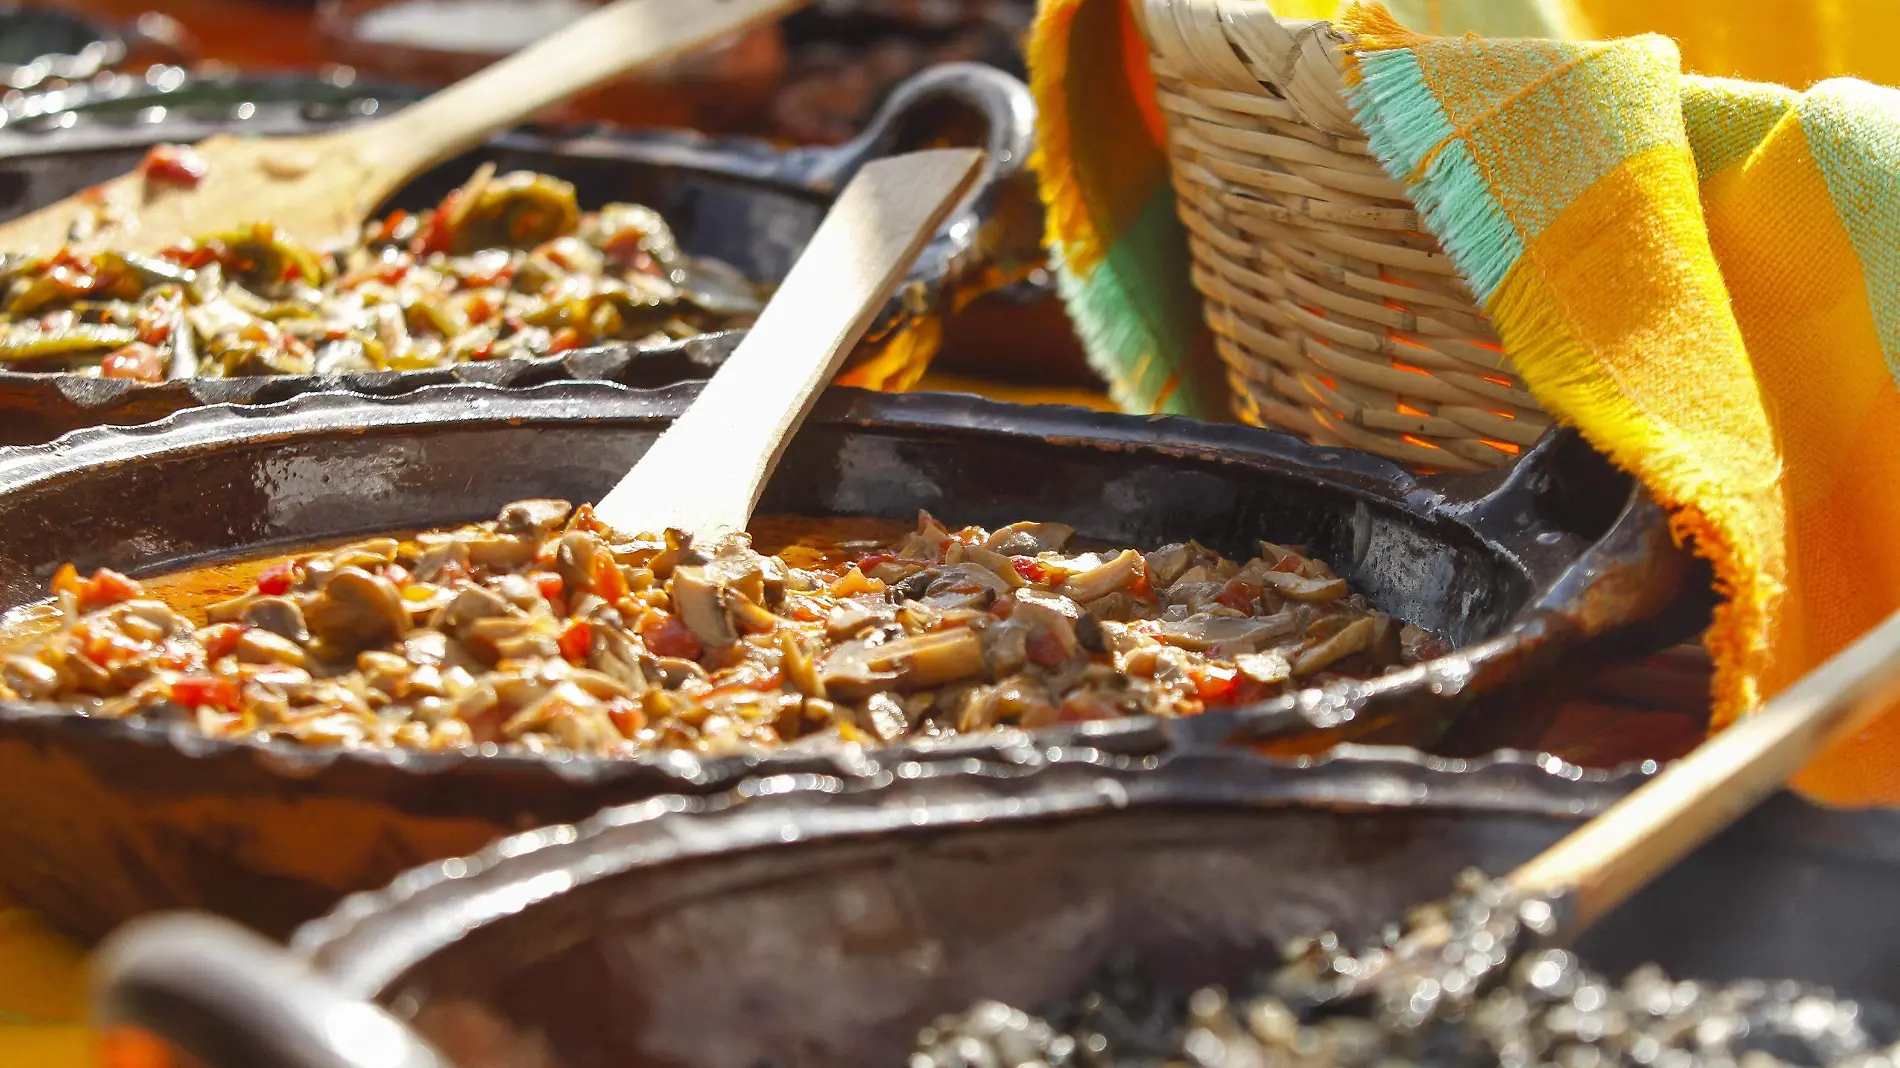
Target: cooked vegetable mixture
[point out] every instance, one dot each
(1494, 999)
(543, 630)
(505, 266)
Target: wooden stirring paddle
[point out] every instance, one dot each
(319, 189)
(704, 474)
(1598, 866)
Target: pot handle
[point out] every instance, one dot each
(1597, 547)
(231, 999)
(1008, 113)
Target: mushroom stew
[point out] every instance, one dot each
(543, 630)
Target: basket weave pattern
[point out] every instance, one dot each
(1337, 315)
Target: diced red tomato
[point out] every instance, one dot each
(138, 361)
(1218, 686)
(219, 639)
(609, 582)
(665, 635)
(175, 164)
(481, 309)
(627, 715)
(193, 256)
(1044, 649)
(200, 691)
(585, 519)
(1141, 588)
(574, 640)
(1214, 684)
(392, 223)
(1236, 595)
(1003, 606)
(277, 579)
(1030, 569)
(105, 587)
(565, 339)
(870, 560)
(434, 234)
(1287, 565)
(549, 584)
(105, 648)
(155, 323)
(67, 580)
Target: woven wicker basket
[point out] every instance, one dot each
(1337, 314)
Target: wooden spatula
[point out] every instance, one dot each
(320, 189)
(1599, 865)
(704, 475)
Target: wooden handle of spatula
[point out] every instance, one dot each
(613, 40)
(1611, 857)
(705, 474)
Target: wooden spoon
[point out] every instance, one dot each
(704, 474)
(319, 189)
(1598, 866)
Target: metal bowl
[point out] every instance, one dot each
(793, 924)
(745, 202)
(103, 819)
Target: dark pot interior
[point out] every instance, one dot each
(717, 942)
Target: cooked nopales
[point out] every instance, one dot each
(1492, 998)
(543, 630)
(505, 266)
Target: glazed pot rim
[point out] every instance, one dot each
(1351, 473)
(369, 938)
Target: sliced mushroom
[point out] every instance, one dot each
(1301, 588)
(259, 646)
(278, 615)
(499, 552)
(1347, 642)
(696, 600)
(1052, 614)
(883, 717)
(964, 585)
(746, 614)
(429, 565)
(1204, 632)
(155, 613)
(473, 603)
(613, 655)
(1029, 539)
(853, 618)
(356, 609)
(1101, 581)
(535, 518)
(1268, 667)
(997, 564)
(574, 560)
(931, 659)
(1005, 647)
(850, 672)
(1166, 564)
(30, 678)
